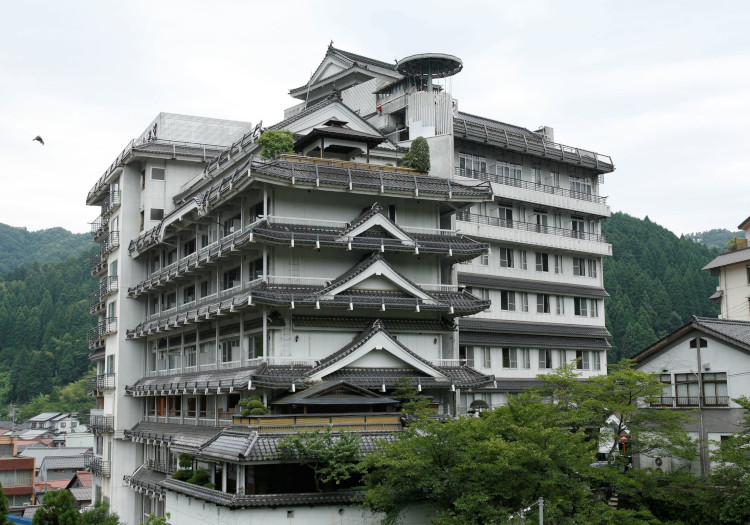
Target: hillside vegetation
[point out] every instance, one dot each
(716, 238)
(19, 247)
(655, 283)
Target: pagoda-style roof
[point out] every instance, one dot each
(338, 132)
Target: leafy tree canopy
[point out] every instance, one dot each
(418, 157)
(58, 508)
(276, 142)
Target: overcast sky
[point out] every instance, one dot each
(664, 88)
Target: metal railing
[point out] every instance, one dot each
(96, 304)
(98, 264)
(110, 241)
(111, 204)
(102, 424)
(100, 383)
(527, 226)
(163, 466)
(103, 328)
(690, 401)
(529, 185)
(97, 466)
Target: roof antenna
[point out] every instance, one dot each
(307, 95)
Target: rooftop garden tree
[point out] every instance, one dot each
(418, 157)
(276, 142)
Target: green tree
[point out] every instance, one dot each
(158, 520)
(332, 457)
(413, 403)
(276, 142)
(99, 515)
(58, 508)
(254, 406)
(3, 507)
(418, 157)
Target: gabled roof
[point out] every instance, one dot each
(371, 217)
(334, 393)
(735, 333)
(374, 265)
(45, 416)
(375, 338)
(62, 462)
(726, 259)
(744, 225)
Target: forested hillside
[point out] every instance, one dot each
(44, 318)
(718, 237)
(19, 247)
(655, 282)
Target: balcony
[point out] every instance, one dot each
(540, 194)
(109, 242)
(285, 424)
(97, 384)
(518, 232)
(690, 402)
(102, 424)
(96, 304)
(98, 264)
(99, 228)
(97, 466)
(103, 328)
(107, 286)
(165, 467)
(224, 419)
(111, 204)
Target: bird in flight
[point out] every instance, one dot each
(38, 138)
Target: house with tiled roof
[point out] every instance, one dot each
(704, 365)
(733, 270)
(323, 279)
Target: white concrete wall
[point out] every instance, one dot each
(198, 130)
(734, 281)
(189, 511)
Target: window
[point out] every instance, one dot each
(524, 302)
(506, 216)
(63, 424)
(583, 357)
(469, 165)
(466, 354)
(142, 219)
(392, 212)
(596, 360)
(593, 264)
(523, 355)
(171, 257)
(232, 225)
(188, 294)
(255, 346)
(562, 357)
(545, 358)
(507, 301)
(748, 274)
(171, 301)
(540, 219)
(510, 358)
(536, 176)
(112, 309)
(188, 247)
(157, 173)
(554, 179)
(484, 259)
(666, 391)
(686, 389)
(190, 356)
(577, 225)
(173, 361)
(579, 266)
(157, 214)
(113, 269)
(715, 389)
(506, 258)
(522, 257)
(542, 303)
(594, 308)
(231, 278)
(206, 288)
(559, 305)
(542, 262)
(228, 349)
(558, 264)
(580, 306)
(486, 357)
(509, 171)
(581, 185)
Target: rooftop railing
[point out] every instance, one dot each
(99, 383)
(527, 226)
(528, 185)
(691, 402)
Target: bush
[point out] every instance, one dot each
(200, 477)
(183, 475)
(418, 157)
(185, 461)
(253, 405)
(276, 142)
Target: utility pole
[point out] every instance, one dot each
(699, 343)
(541, 511)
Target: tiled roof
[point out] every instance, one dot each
(312, 109)
(180, 436)
(55, 484)
(62, 462)
(45, 416)
(517, 327)
(81, 493)
(514, 385)
(483, 121)
(744, 224)
(260, 500)
(531, 341)
(734, 332)
(225, 379)
(39, 453)
(725, 259)
(85, 478)
(509, 283)
(362, 323)
(333, 393)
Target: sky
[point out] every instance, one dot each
(661, 87)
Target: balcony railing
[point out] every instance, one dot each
(527, 226)
(165, 467)
(690, 401)
(98, 264)
(107, 285)
(111, 204)
(99, 227)
(382, 422)
(97, 466)
(103, 328)
(96, 304)
(110, 242)
(102, 424)
(100, 383)
(528, 185)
